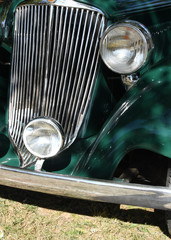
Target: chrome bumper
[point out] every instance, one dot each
(95, 190)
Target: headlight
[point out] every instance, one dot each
(124, 47)
(43, 137)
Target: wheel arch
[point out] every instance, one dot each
(141, 120)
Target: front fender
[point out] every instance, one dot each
(142, 120)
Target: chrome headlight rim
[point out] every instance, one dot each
(143, 32)
(54, 123)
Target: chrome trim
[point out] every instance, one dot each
(88, 189)
(143, 31)
(129, 80)
(63, 3)
(54, 62)
(59, 133)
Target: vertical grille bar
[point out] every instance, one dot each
(14, 69)
(62, 59)
(35, 63)
(53, 66)
(79, 82)
(85, 91)
(74, 59)
(55, 56)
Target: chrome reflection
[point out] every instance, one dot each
(88, 189)
(47, 84)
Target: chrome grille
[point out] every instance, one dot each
(55, 56)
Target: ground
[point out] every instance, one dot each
(30, 215)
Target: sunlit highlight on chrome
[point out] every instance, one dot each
(125, 46)
(43, 137)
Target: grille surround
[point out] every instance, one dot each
(54, 62)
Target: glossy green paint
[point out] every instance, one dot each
(65, 162)
(113, 9)
(141, 119)
(96, 116)
(143, 11)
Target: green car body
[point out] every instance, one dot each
(117, 121)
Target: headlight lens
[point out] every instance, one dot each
(124, 47)
(43, 137)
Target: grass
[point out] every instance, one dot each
(29, 215)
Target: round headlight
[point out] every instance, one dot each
(124, 47)
(43, 137)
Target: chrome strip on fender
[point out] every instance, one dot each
(88, 189)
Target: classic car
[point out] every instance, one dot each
(85, 99)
